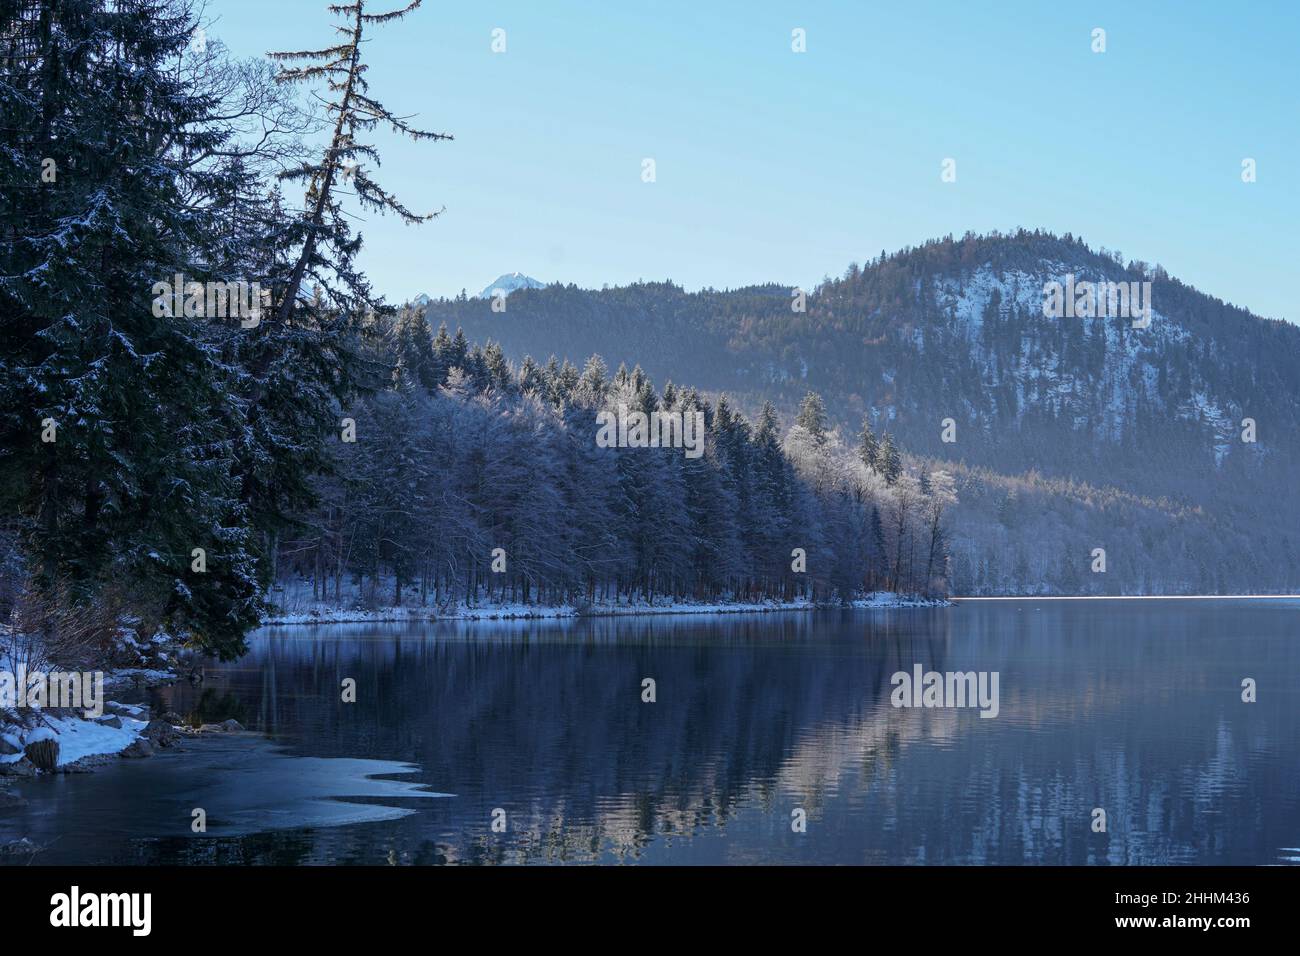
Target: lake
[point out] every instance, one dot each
(759, 721)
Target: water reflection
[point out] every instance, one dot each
(1127, 706)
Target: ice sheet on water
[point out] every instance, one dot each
(243, 782)
(246, 789)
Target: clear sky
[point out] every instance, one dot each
(779, 166)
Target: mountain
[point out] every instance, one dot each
(510, 282)
(1071, 433)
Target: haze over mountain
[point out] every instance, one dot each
(1071, 433)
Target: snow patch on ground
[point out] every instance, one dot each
(887, 599)
(77, 737)
(297, 607)
(85, 738)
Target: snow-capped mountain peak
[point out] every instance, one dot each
(510, 282)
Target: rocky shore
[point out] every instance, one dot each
(36, 741)
(56, 742)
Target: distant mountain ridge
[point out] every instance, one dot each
(953, 333)
(950, 329)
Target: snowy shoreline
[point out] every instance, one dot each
(82, 737)
(78, 737)
(511, 611)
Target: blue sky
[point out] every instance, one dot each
(778, 166)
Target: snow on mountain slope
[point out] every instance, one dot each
(1104, 397)
(510, 282)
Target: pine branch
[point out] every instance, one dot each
(353, 110)
(391, 15)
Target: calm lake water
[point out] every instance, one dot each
(1131, 706)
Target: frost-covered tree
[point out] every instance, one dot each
(812, 418)
(890, 462)
(940, 495)
(520, 470)
(868, 446)
(102, 148)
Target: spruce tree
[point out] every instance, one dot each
(442, 355)
(529, 377)
(868, 447)
(417, 363)
(812, 418)
(891, 463)
(100, 137)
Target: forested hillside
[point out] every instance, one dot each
(464, 454)
(1069, 434)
